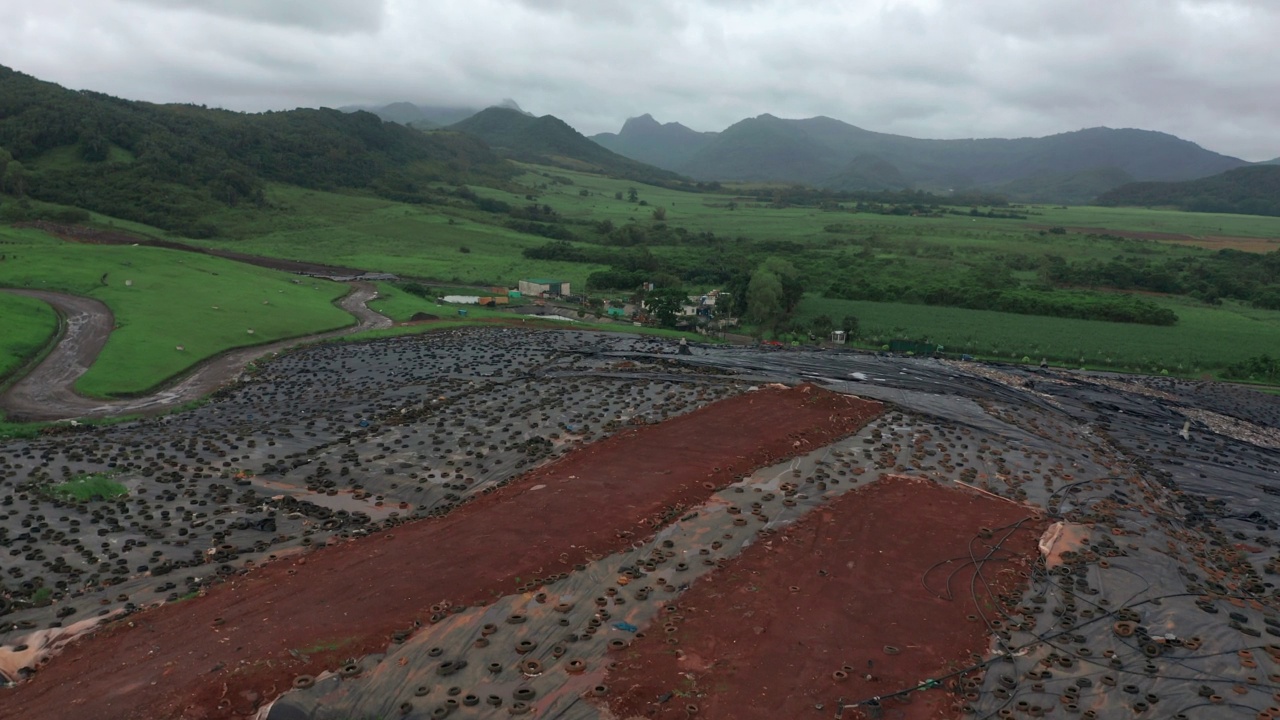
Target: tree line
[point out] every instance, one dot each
(1253, 190)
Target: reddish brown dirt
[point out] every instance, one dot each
(763, 637)
(1244, 244)
(224, 654)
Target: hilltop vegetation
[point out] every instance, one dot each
(423, 117)
(173, 166)
(1248, 190)
(821, 151)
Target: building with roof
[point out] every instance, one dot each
(542, 287)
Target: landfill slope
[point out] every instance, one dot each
(248, 635)
(1151, 596)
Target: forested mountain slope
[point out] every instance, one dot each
(170, 165)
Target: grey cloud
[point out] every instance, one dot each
(328, 16)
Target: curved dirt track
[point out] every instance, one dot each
(47, 392)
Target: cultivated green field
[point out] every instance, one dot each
(825, 245)
(457, 243)
(26, 325)
(710, 212)
(163, 299)
(1205, 338)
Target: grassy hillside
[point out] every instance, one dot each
(25, 326)
(172, 166)
(163, 299)
(1251, 190)
(458, 243)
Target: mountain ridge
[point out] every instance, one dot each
(550, 140)
(420, 116)
(833, 154)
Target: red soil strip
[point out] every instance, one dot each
(763, 637)
(1243, 244)
(226, 653)
(1211, 242)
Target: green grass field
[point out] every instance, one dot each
(461, 245)
(1205, 338)
(163, 299)
(26, 325)
(375, 234)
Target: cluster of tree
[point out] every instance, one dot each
(773, 291)
(542, 229)
(617, 279)
(629, 269)
(1226, 274)
(822, 326)
(173, 165)
(1018, 300)
(417, 289)
(1262, 368)
(1253, 190)
(22, 210)
(565, 251)
(990, 213)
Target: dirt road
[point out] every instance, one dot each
(47, 392)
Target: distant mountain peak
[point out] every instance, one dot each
(509, 104)
(640, 121)
(662, 145)
(549, 140)
(407, 113)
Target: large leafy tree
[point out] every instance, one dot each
(773, 292)
(664, 304)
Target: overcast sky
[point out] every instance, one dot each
(1205, 70)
